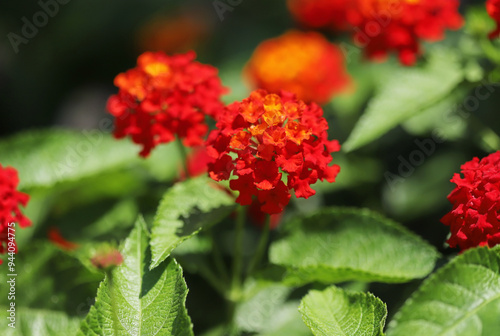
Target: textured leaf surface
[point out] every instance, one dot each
(337, 312)
(461, 299)
(135, 301)
(184, 210)
(407, 93)
(46, 158)
(341, 244)
(36, 322)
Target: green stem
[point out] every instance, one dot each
(217, 258)
(184, 156)
(261, 248)
(238, 253)
(490, 50)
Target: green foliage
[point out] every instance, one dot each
(403, 195)
(462, 299)
(335, 312)
(258, 312)
(441, 118)
(93, 187)
(407, 93)
(38, 322)
(51, 157)
(45, 158)
(49, 278)
(315, 249)
(267, 309)
(135, 301)
(121, 216)
(185, 209)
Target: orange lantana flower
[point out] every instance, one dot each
(304, 63)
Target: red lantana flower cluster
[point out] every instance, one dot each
(493, 9)
(165, 97)
(475, 218)
(383, 26)
(10, 200)
(267, 136)
(304, 63)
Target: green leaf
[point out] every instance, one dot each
(457, 300)
(337, 312)
(288, 322)
(342, 244)
(136, 301)
(50, 279)
(265, 309)
(37, 322)
(404, 95)
(444, 118)
(184, 210)
(45, 158)
(258, 312)
(49, 157)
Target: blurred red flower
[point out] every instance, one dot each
(107, 258)
(383, 26)
(265, 136)
(474, 220)
(304, 63)
(10, 200)
(164, 97)
(176, 32)
(321, 13)
(57, 239)
(493, 8)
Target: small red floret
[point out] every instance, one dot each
(57, 239)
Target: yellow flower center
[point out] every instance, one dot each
(156, 69)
